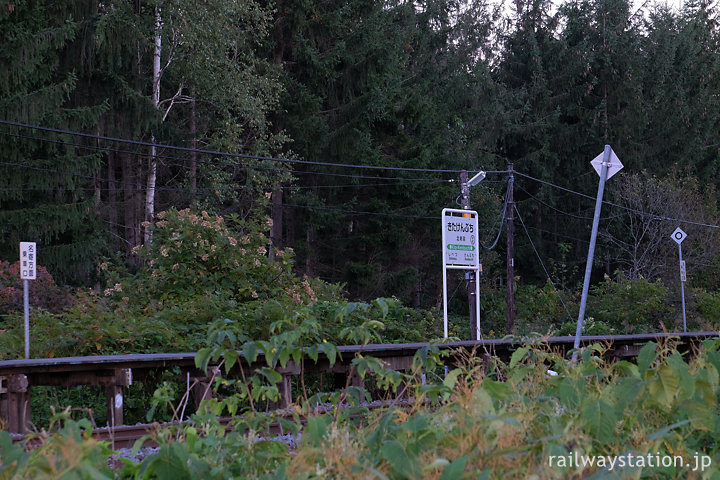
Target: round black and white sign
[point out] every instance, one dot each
(678, 235)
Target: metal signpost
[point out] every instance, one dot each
(678, 235)
(460, 252)
(28, 271)
(606, 165)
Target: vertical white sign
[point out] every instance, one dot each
(28, 261)
(459, 235)
(460, 252)
(683, 272)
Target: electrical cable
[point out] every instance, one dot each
(356, 212)
(572, 215)
(501, 220)
(541, 263)
(227, 154)
(208, 162)
(622, 207)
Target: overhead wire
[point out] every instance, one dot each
(501, 221)
(306, 162)
(221, 153)
(622, 207)
(562, 212)
(542, 264)
(202, 160)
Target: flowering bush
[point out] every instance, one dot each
(204, 267)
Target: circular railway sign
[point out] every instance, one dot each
(678, 235)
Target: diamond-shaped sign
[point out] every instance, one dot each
(678, 235)
(614, 164)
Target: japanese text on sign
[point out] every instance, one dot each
(28, 261)
(460, 238)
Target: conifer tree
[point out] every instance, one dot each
(48, 187)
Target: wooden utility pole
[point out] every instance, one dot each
(509, 217)
(470, 276)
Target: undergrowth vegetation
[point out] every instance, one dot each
(207, 284)
(531, 417)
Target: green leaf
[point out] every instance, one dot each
(599, 419)
(664, 386)
(202, 359)
(701, 416)
(518, 355)
(498, 390)
(682, 372)
(455, 469)
(381, 304)
(284, 356)
(316, 429)
(250, 351)
(330, 351)
(231, 358)
(404, 464)
(646, 357)
(169, 463)
(271, 375)
(312, 352)
(451, 378)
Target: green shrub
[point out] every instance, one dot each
(707, 304)
(539, 309)
(629, 305)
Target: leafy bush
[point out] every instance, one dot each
(540, 309)
(43, 292)
(708, 305)
(629, 306)
(590, 327)
(510, 420)
(200, 267)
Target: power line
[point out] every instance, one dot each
(572, 215)
(622, 207)
(541, 262)
(207, 162)
(207, 190)
(356, 212)
(221, 153)
(501, 221)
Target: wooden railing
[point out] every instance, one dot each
(116, 372)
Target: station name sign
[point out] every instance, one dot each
(459, 237)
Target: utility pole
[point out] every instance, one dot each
(509, 218)
(469, 276)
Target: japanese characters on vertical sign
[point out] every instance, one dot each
(460, 228)
(28, 261)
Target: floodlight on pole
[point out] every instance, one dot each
(479, 177)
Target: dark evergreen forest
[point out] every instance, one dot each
(348, 123)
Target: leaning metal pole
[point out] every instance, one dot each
(591, 250)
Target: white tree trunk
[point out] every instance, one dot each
(152, 171)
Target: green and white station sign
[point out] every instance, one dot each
(460, 239)
(460, 252)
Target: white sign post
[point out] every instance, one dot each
(678, 236)
(28, 271)
(460, 252)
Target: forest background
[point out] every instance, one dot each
(337, 131)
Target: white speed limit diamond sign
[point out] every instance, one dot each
(678, 235)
